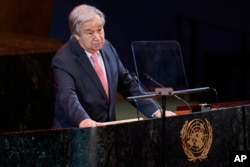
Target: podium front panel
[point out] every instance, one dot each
(209, 138)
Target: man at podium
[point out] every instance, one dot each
(88, 73)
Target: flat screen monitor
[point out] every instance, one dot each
(160, 60)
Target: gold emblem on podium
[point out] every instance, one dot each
(196, 137)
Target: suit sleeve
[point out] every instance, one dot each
(71, 111)
(133, 88)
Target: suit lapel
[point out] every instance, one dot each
(84, 63)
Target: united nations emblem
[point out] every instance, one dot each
(196, 137)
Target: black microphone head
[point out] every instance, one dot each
(146, 75)
(134, 75)
(151, 79)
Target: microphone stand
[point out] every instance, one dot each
(164, 92)
(163, 101)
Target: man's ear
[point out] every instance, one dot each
(77, 37)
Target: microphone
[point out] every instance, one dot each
(134, 76)
(194, 90)
(154, 81)
(158, 84)
(148, 94)
(138, 81)
(143, 89)
(135, 100)
(178, 92)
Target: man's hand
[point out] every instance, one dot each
(86, 123)
(168, 113)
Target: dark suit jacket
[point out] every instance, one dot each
(79, 92)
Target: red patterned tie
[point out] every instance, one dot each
(100, 73)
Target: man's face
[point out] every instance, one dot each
(92, 35)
